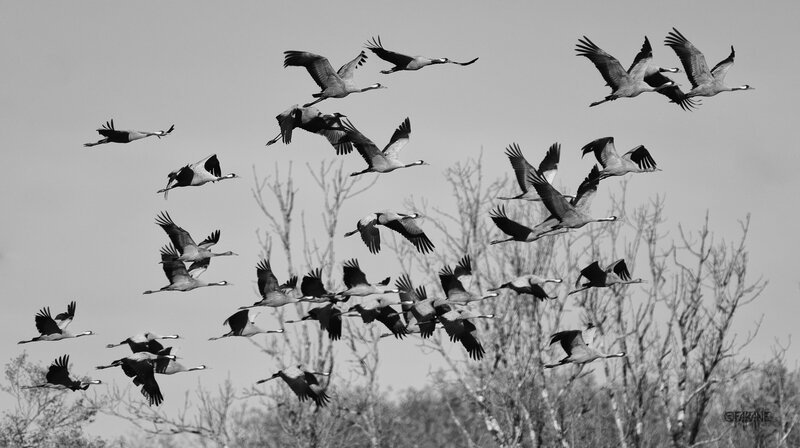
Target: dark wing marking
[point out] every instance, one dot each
(287, 121)
(330, 319)
(470, 342)
(694, 63)
(180, 238)
(352, 274)
(621, 269)
(210, 240)
(58, 373)
(641, 157)
(371, 236)
(409, 229)
(641, 61)
(398, 59)
(520, 165)
(346, 71)
(509, 227)
(334, 132)
(555, 203)
(539, 292)
(608, 65)
(449, 281)
(406, 288)
(64, 319)
(365, 146)
(549, 164)
(45, 323)
(173, 268)
(153, 346)
(196, 269)
(388, 317)
(604, 151)
(238, 321)
(314, 390)
(568, 339)
(212, 166)
(335, 327)
(183, 177)
(337, 139)
(289, 284)
(161, 364)
(464, 266)
(312, 285)
(267, 282)
(318, 67)
(594, 273)
(674, 93)
(399, 139)
(145, 376)
(587, 189)
(721, 69)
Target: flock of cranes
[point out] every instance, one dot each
(643, 76)
(183, 260)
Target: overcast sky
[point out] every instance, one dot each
(77, 224)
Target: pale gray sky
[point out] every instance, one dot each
(78, 223)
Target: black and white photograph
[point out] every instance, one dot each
(399, 224)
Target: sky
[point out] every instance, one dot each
(78, 223)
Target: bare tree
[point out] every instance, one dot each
(676, 329)
(43, 417)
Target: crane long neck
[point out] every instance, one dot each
(578, 290)
(222, 254)
(136, 135)
(274, 140)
